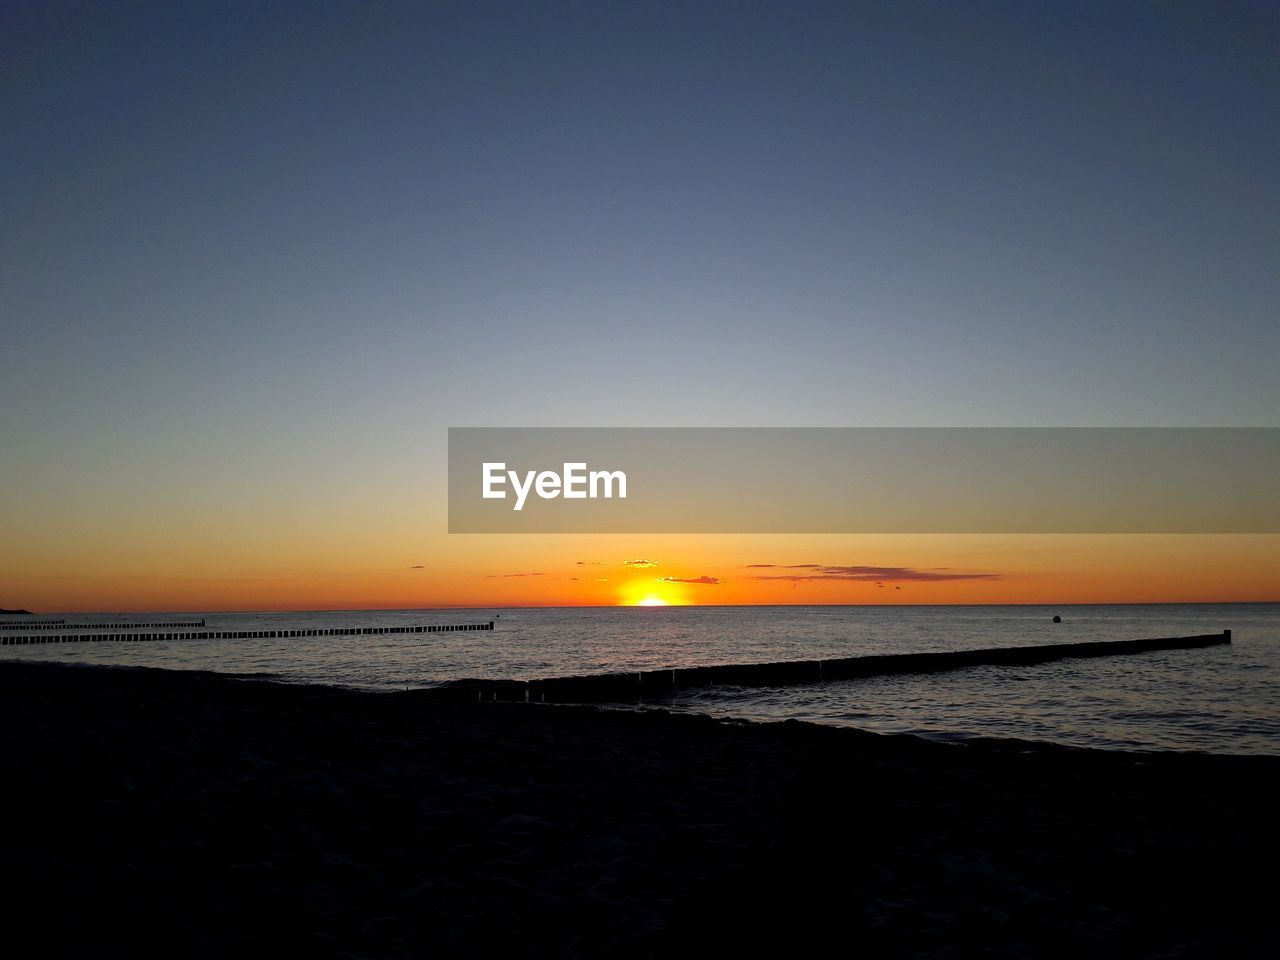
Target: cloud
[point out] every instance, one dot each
(785, 566)
(493, 576)
(639, 563)
(710, 581)
(592, 563)
(864, 574)
(417, 566)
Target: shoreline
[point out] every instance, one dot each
(209, 813)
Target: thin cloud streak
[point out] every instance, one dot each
(866, 574)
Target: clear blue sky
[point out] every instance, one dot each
(256, 240)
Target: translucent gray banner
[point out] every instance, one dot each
(864, 480)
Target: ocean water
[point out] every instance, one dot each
(1220, 699)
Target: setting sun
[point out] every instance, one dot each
(651, 593)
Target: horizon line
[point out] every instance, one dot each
(624, 606)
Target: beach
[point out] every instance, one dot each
(191, 814)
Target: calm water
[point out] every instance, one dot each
(1221, 699)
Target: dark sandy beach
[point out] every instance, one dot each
(188, 815)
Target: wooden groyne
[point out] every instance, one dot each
(237, 634)
(28, 624)
(61, 625)
(646, 684)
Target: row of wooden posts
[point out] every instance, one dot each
(658, 684)
(61, 625)
(239, 634)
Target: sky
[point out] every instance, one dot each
(255, 259)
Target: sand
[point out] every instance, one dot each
(190, 815)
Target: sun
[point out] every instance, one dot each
(651, 593)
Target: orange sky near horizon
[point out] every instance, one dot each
(494, 571)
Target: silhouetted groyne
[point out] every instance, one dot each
(235, 634)
(646, 684)
(28, 624)
(63, 625)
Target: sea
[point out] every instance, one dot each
(1222, 699)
